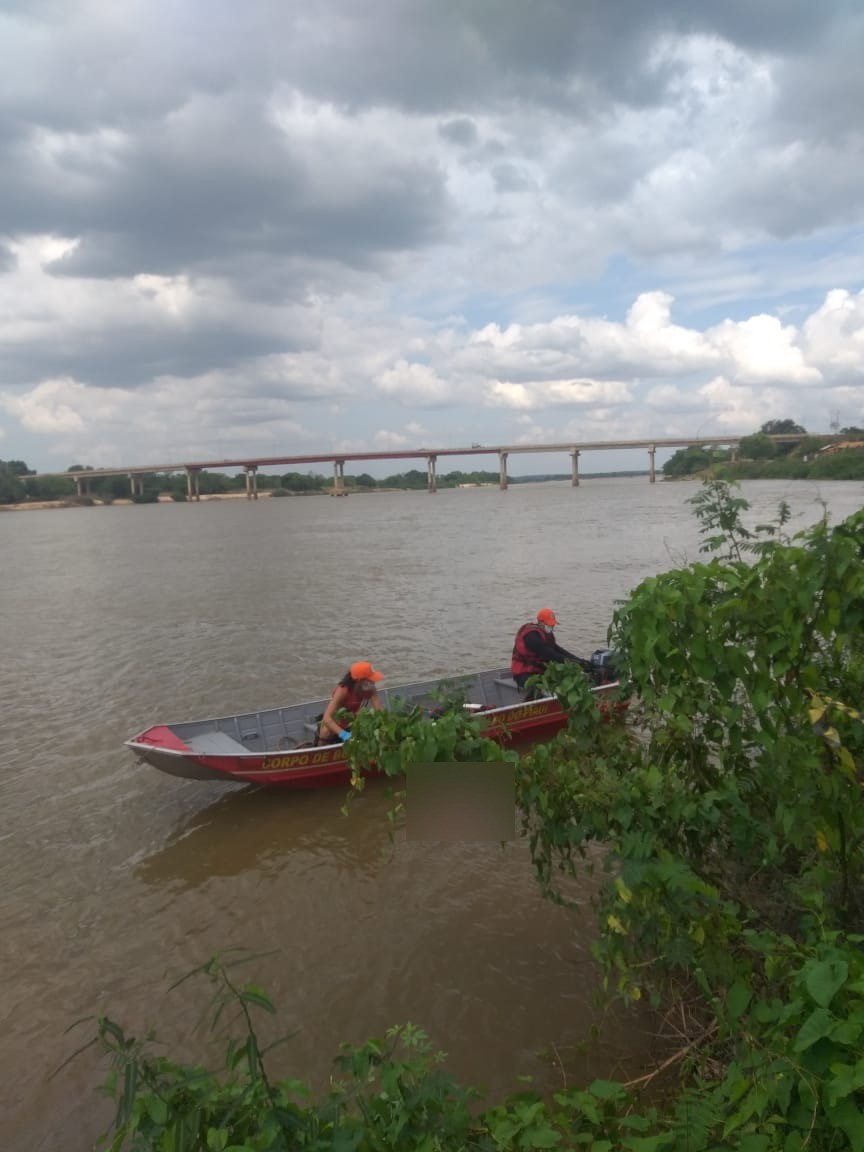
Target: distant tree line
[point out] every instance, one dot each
(18, 483)
(759, 457)
(11, 484)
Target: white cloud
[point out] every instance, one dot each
(51, 407)
(386, 439)
(555, 393)
(741, 408)
(671, 399)
(763, 349)
(833, 336)
(171, 421)
(414, 383)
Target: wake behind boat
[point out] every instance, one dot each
(278, 746)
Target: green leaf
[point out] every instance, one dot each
(605, 1089)
(737, 999)
(252, 994)
(849, 1118)
(157, 1110)
(541, 1138)
(817, 1025)
(845, 1079)
(825, 978)
(646, 1143)
(754, 1143)
(847, 1032)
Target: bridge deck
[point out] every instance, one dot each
(342, 458)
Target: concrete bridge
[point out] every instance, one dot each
(250, 465)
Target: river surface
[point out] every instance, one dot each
(116, 880)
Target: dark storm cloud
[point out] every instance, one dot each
(821, 94)
(130, 355)
(442, 54)
(196, 175)
(461, 131)
(434, 55)
(197, 193)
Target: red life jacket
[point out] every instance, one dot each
(524, 661)
(354, 699)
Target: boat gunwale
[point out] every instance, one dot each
(136, 744)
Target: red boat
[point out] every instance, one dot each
(277, 746)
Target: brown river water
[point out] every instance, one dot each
(116, 880)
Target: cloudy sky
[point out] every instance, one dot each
(276, 227)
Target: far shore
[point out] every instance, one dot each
(70, 502)
(267, 494)
(263, 494)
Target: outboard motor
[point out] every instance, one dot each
(603, 665)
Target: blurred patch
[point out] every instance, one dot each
(450, 802)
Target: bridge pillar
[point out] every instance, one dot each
(338, 478)
(193, 488)
(431, 482)
(80, 486)
(251, 471)
(651, 475)
(574, 456)
(136, 485)
(502, 470)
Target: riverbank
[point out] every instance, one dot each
(166, 498)
(41, 505)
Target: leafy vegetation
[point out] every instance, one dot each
(17, 484)
(689, 461)
(389, 1093)
(781, 428)
(731, 834)
(11, 486)
(759, 457)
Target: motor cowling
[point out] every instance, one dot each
(603, 665)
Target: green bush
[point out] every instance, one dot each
(758, 447)
(844, 465)
(732, 830)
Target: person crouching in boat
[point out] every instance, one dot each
(354, 690)
(535, 647)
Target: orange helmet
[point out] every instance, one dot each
(363, 670)
(547, 616)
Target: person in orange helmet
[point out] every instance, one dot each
(535, 647)
(356, 689)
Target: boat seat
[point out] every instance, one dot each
(507, 683)
(313, 728)
(216, 744)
